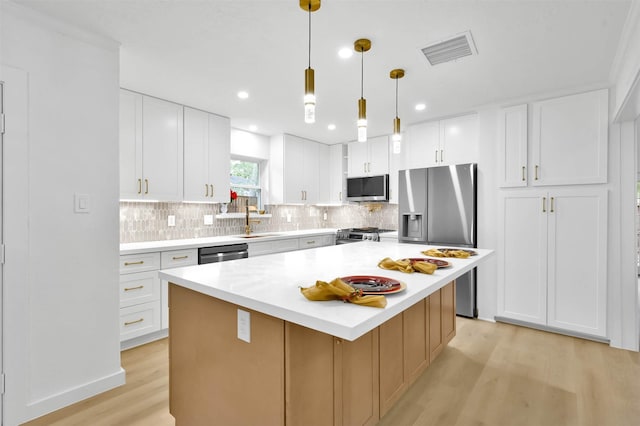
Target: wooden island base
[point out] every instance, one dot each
(289, 374)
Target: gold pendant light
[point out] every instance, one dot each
(397, 136)
(362, 45)
(309, 90)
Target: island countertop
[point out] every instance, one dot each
(270, 284)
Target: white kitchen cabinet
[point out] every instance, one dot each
(207, 139)
(151, 148)
(370, 158)
(259, 248)
(140, 308)
(173, 259)
(570, 139)
(295, 167)
(450, 141)
(512, 146)
(316, 241)
(337, 173)
(553, 249)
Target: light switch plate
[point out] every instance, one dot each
(208, 219)
(171, 220)
(81, 203)
(244, 325)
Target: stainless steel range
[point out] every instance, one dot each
(354, 235)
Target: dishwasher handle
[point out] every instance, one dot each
(222, 253)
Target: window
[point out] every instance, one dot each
(245, 181)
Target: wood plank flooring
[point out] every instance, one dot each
(490, 374)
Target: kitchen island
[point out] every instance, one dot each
(246, 347)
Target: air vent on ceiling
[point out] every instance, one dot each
(450, 49)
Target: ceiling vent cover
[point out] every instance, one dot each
(450, 49)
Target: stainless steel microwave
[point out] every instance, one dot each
(369, 188)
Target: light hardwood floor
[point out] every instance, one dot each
(490, 374)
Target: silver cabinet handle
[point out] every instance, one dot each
(212, 190)
(441, 156)
(436, 156)
(340, 196)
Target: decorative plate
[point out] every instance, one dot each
(438, 262)
(445, 250)
(370, 284)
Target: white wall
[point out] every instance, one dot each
(61, 336)
(247, 144)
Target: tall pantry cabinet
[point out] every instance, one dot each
(553, 235)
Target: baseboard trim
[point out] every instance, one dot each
(553, 329)
(143, 340)
(71, 396)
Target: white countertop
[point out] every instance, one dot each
(146, 246)
(270, 284)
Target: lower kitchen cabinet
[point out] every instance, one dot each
(259, 248)
(553, 248)
(173, 259)
(140, 310)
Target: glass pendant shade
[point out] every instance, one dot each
(362, 120)
(309, 97)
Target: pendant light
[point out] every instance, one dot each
(397, 137)
(309, 91)
(362, 45)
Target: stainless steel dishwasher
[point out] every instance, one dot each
(222, 253)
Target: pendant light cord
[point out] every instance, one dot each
(309, 34)
(396, 97)
(362, 73)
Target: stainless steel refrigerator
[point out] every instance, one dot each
(437, 206)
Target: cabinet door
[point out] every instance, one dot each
(219, 157)
(577, 280)
(294, 154)
(569, 139)
(522, 276)
(162, 149)
(337, 169)
(358, 159)
(459, 140)
(130, 145)
(422, 144)
(378, 156)
(512, 139)
(196, 152)
(313, 157)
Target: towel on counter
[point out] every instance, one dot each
(460, 254)
(405, 265)
(339, 290)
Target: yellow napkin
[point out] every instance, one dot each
(460, 254)
(405, 265)
(339, 290)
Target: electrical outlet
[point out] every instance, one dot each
(289, 217)
(171, 220)
(208, 219)
(244, 325)
(324, 216)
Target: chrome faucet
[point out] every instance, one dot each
(247, 221)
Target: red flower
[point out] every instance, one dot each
(233, 195)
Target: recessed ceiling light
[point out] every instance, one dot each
(253, 127)
(331, 127)
(420, 107)
(243, 95)
(345, 52)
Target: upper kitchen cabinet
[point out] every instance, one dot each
(151, 148)
(206, 156)
(337, 173)
(436, 143)
(569, 139)
(512, 145)
(295, 166)
(370, 158)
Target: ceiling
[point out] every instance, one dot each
(201, 53)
